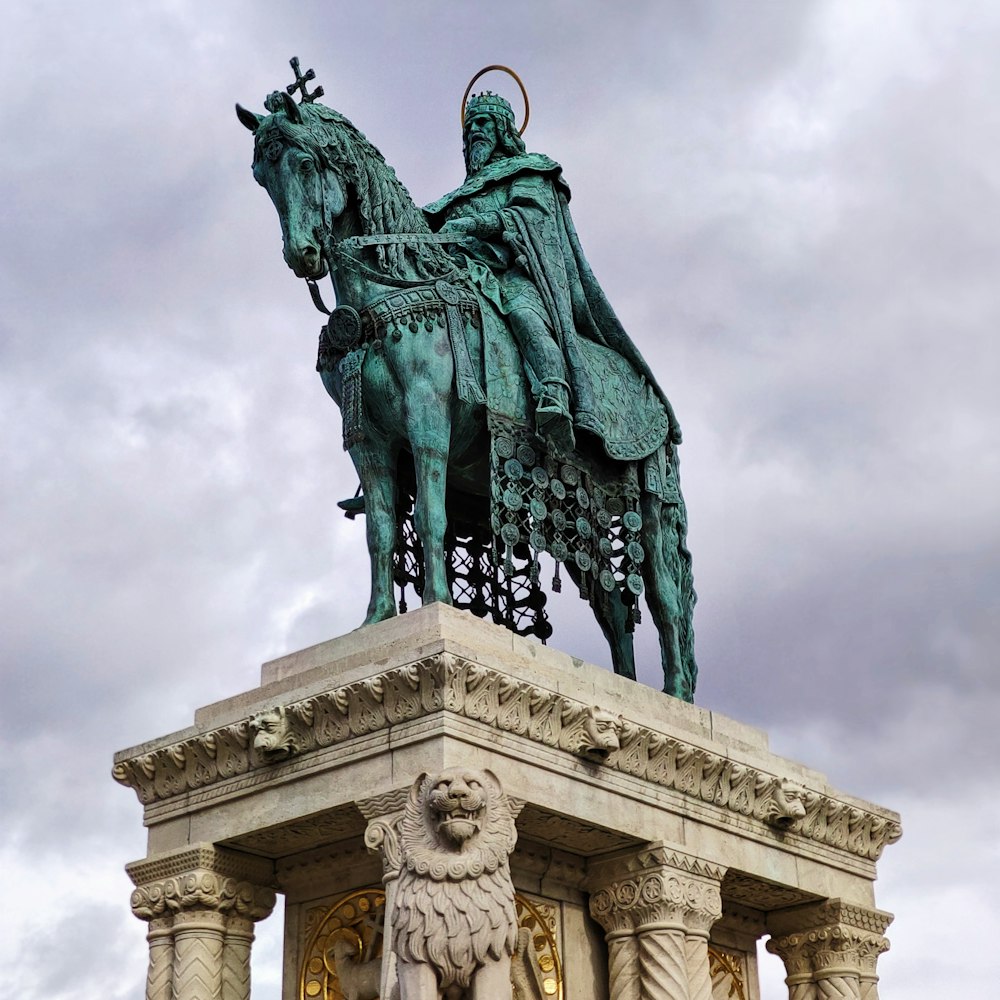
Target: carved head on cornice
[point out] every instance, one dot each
(274, 738)
(601, 734)
(786, 806)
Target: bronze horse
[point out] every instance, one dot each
(404, 356)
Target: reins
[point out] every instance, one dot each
(340, 254)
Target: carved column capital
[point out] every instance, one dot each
(656, 884)
(382, 835)
(201, 904)
(203, 877)
(832, 945)
(656, 905)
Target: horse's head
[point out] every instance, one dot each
(292, 164)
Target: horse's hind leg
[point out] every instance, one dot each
(612, 616)
(663, 596)
(376, 466)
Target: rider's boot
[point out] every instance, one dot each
(552, 417)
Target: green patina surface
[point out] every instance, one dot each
(484, 380)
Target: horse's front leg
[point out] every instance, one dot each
(430, 435)
(375, 462)
(424, 367)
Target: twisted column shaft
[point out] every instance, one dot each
(663, 962)
(699, 972)
(623, 966)
(657, 906)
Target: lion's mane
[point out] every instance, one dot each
(454, 906)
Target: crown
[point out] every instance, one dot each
(490, 102)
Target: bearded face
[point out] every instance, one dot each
(480, 141)
(457, 805)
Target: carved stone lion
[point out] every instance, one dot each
(274, 737)
(454, 926)
(786, 806)
(358, 979)
(601, 734)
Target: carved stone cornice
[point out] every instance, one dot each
(446, 682)
(202, 878)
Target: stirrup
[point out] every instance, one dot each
(554, 397)
(555, 428)
(353, 505)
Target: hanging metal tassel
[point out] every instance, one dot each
(556, 582)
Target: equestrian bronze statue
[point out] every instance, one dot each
(496, 411)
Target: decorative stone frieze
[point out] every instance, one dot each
(201, 904)
(657, 906)
(830, 949)
(446, 682)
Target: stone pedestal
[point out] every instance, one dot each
(656, 840)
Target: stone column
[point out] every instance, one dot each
(830, 949)
(657, 906)
(382, 836)
(795, 951)
(201, 903)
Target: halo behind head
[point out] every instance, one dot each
(493, 102)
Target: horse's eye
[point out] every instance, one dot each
(306, 166)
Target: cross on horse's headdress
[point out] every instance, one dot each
(277, 101)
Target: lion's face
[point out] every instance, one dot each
(457, 805)
(273, 735)
(601, 733)
(787, 806)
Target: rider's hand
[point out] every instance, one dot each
(459, 227)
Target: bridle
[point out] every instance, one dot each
(342, 254)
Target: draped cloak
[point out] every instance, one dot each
(615, 395)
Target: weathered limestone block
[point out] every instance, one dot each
(830, 949)
(201, 904)
(657, 906)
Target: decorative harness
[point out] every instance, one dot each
(416, 303)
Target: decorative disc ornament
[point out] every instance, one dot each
(343, 329)
(516, 79)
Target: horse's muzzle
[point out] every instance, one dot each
(306, 261)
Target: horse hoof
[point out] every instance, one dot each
(374, 617)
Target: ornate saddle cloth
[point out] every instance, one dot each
(627, 418)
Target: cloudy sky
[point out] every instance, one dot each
(795, 208)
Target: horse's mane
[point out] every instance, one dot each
(384, 204)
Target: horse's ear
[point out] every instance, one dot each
(249, 118)
(292, 112)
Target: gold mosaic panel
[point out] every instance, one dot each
(358, 918)
(728, 974)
